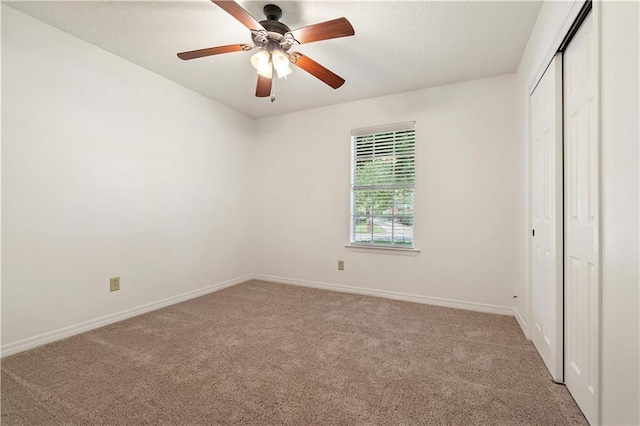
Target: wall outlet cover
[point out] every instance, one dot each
(114, 284)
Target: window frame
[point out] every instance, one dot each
(383, 248)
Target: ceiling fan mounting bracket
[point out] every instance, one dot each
(272, 12)
(293, 57)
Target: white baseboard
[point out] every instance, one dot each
(522, 323)
(449, 303)
(63, 333)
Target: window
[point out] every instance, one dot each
(382, 185)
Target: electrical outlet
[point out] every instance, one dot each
(114, 284)
(340, 265)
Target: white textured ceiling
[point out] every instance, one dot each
(398, 46)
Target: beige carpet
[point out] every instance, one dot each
(261, 353)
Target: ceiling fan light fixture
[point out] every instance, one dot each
(280, 62)
(261, 61)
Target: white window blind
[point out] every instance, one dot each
(382, 185)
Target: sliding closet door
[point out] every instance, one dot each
(546, 291)
(582, 219)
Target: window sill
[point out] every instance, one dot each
(396, 251)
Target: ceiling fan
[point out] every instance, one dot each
(273, 39)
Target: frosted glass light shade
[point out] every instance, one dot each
(261, 61)
(281, 63)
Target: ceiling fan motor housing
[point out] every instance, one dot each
(275, 29)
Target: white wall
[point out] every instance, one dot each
(109, 170)
(618, 21)
(620, 215)
(466, 192)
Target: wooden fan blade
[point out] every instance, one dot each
(315, 69)
(324, 31)
(263, 89)
(193, 54)
(235, 10)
